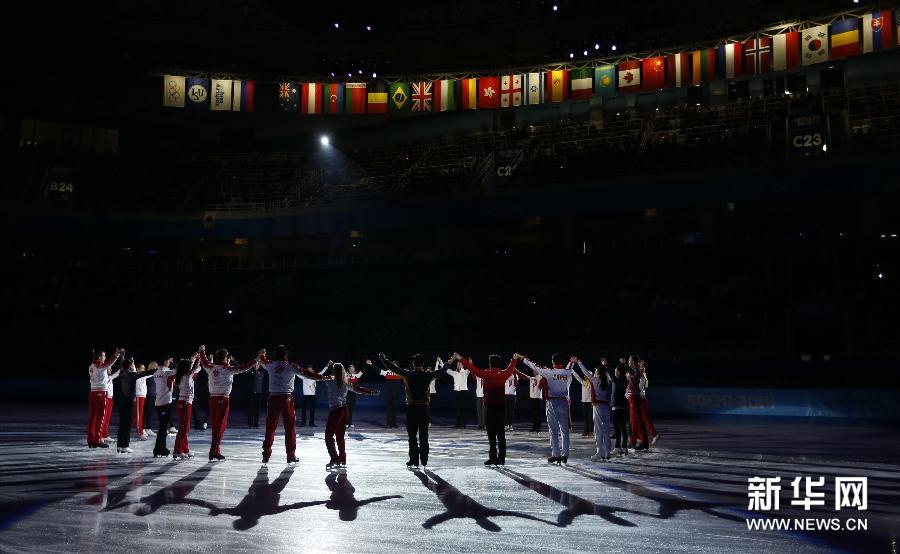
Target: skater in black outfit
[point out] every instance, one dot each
(418, 384)
(619, 403)
(128, 380)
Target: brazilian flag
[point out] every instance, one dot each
(398, 99)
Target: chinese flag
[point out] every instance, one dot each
(653, 73)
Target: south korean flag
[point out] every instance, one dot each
(815, 45)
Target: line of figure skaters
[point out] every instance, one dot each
(617, 397)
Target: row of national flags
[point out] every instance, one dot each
(845, 37)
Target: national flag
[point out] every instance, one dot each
(332, 98)
(845, 38)
(582, 83)
(729, 61)
(242, 96)
(678, 69)
(288, 96)
(398, 99)
(421, 96)
(377, 97)
(173, 91)
(534, 89)
(878, 31)
(311, 98)
(758, 55)
(197, 93)
(488, 93)
(444, 94)
(703, 66)
(510, 91)
(556, 85)
(221, 95)
(786, 48)
(355, 98)
(605, 81)
(469, 94)
(629, 76)
(815, 45)
(653, 73)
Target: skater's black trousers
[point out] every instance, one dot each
(417, 429)
(538, 412)
(620, 427)
(351, 404)
(126, 407)
(510, 408)
(462, 415)
(587, 412)
(494, 418)
(392, 393)
(308, 402)
(253, 410)
(165, 414)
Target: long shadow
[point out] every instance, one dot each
(115, 498)
(461, 506)
(575, 505)
(343, 499)
(669, 505)
(262, 499)
(176, 493)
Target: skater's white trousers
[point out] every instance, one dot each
(558, 423)
(601, 430)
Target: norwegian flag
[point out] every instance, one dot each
(758, 55)
(421, 96)
(510, 91)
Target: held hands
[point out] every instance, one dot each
(573, 359)
(202, 348)
(368, 362)
(518, 356)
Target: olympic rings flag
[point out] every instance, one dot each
(173, 91)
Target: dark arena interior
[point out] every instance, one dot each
(574, 276)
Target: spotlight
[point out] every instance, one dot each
(349, 74)
(368, 27)
(332, 73)
(614, 48)
(585, 52)
(337, 25)
(230, 311)
(555, 7)
(360, 71)
(596, 46)
(571, 55)
(324, 140)
(374, 75)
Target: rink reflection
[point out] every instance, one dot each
(343, 497)
(575, 505)
(461, 506)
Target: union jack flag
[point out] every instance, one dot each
(421, 96)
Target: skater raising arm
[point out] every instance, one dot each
(478, 372)
(400, 371)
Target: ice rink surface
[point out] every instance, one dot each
(688, 495)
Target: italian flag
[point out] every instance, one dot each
(582, 83)
(311, 98)
(469, 95)
(556, 86)
(444, 94)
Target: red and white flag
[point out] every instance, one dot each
(311, 98)
(629, 76)
(758, 55)
(678, 69)
(510, 91)
(786, 51)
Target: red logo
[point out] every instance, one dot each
(629, 77)
(877, 24)
(815, 44)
